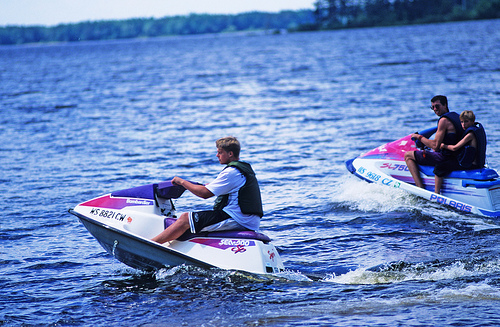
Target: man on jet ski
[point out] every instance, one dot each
(449, 132)
(238, 205)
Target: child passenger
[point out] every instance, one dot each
(471, 149)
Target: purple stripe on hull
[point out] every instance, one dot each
(108, 202)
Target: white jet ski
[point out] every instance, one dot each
(123, 222)
(476, 190)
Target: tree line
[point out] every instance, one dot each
(333, 14)
(150, 27)
(328, 14)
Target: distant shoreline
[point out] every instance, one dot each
(150, 27)
(197, 24)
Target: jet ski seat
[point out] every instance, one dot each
(164, 190)
(245, 234)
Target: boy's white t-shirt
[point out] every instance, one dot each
(229, 181)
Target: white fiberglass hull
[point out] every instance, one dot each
(124, 227)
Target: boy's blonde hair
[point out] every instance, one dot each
(468, 115)
(229, 143)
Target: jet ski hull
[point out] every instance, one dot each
(124, 226)
(135, 251)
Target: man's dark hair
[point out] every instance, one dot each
(442, 99)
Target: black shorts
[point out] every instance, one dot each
(443, 168)
(443, 164)
(429, 158)
(201, 219)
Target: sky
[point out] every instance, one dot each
(53, 12)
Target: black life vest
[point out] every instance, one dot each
(453, 138)
(469, 154)
(249, 198)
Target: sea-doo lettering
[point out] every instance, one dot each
(234, 242)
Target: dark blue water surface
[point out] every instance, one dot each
(82, 119)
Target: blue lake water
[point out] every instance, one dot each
(83, 119)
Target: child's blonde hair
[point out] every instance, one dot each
(229, 143)
(468, 115)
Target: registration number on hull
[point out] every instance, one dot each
(110, 214)
(378, 178)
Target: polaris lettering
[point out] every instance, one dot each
(454, 204)
(110, 214)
